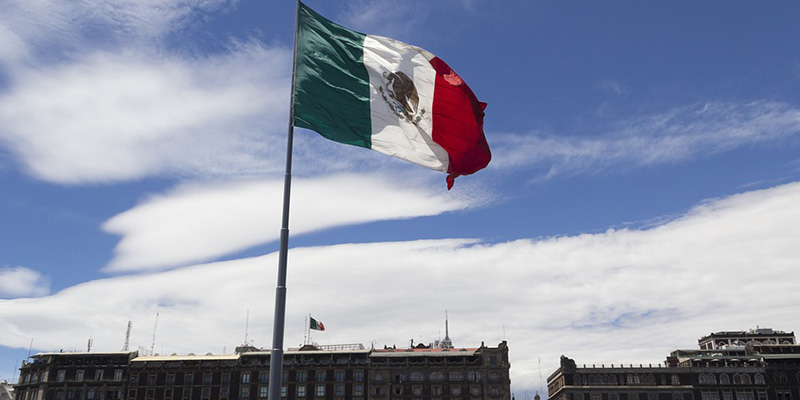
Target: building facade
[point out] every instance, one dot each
(310, 373)
(728, 366)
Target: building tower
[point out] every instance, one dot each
(446, 342)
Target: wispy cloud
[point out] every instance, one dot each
(559, 295)
(115, 117)
(201, 222)
(22, 282)
(680, 134)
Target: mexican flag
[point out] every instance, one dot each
(385, 95)
(315, 325)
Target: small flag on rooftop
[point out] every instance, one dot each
(385, 95)
(315, 325)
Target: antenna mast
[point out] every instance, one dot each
(153, 345)
(127, 337)
(247, 327)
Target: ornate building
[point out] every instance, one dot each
(755, 365)
(345, 372)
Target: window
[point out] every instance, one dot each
(285, 377)
(456, 376)
(436, 376)
(170, 379)
(397, 390)
(727, 395)
(783, 394)
(301, 376)
(398, 377)
(358, 389)
(338, 390)
(150, 393)
(90, 394)
(263, 392)
(379, 376)
(456, 390)
(188, 379)
(61, 374)
(59, 394)
(339, 376)
(494, 391)
(98, 375)
(744, 394)
(151, 380)
(436, 390)
(263, 377)
(187, 393)
(724, 379)
(595, 396)
(709, 395)
(284, 391)
(244, 391)
(759, 379)
(224, 391)
(205, 393)
(320, 390)
(132, 393)
(358, 375)
(416, 390)
(245, 377)
(494, 376)
(118, 375)
(475, 390)
(168, 393)
(675, 379)
(207, 378)
(320, 376)
(226, 378)
(301, 390)
(492, 360)
(416, 376)
(473, 376)
(79, 375)
(762, 394)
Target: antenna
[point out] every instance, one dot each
(247, 327)
(153, 345)
(30, 348)
(127, 337)
(89, 346)
(541, 388)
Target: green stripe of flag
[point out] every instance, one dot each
(331, 82)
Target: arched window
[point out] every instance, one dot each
(759, 379)
(592, 379)
(746, 379)
(577, 380)
(675, 380)
(724, 379)
(737, 379)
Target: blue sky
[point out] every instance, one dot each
(643, 190)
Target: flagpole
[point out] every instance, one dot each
(276, 355)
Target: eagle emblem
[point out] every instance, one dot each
(399, 92)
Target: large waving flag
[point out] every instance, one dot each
(385, 95)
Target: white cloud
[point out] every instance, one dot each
(627, 296)
(22, 281)
(126, 116)
(677, 135)
(201, 222)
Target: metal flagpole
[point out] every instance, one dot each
(276, 355)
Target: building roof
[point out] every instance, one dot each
(418, 352)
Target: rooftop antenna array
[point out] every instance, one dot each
(127, 337)
(153, 345)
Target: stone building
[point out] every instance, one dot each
(728, 366)
(343, 372)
